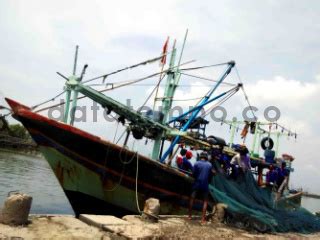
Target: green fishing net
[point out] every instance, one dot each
(253, 207)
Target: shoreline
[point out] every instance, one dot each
(23, 152)
(132, 227)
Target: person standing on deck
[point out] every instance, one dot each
(282, 181)
(271, 175)
(186, 165)
(202, 173)
(179, 158)
(242, 159)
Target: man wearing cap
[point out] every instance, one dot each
(202, 173)
(186, 165)
(179, 159)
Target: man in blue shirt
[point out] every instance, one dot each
(282, 180)
(202, 173)
(271, 176)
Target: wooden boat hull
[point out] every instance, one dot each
(291, 201)
(100, 177)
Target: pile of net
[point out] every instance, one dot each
(254, 207)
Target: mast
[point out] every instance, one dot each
(72, 87)
(167, 100)
(173, 77)
(69, 88)
(197, 109)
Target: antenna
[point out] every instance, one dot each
(75, 61)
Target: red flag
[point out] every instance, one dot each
(164, 53)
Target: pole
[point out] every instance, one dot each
(74, 106)
(160, 78)
(166, 102)
(75, 61)
(277, 144)
(66, 110)
(258, 148)
(233, 130)
(254, 139)
(196, 112)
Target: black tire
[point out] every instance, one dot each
(267, 143)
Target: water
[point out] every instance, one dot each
(312, 204)
(32, 175)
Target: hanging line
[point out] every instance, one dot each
(207, 79)
(245, 94)
(150, 95)
(104, 76)
(113, 86)
(49, 100)
(205, 66)
(223, 100)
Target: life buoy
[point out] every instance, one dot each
(267, 143)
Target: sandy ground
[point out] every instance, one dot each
(68, 227)
(182, 228)
(52, 227)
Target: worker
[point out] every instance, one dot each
(271, 176)
(242, 159)
(186, 165)
(282, 181)
(202, 173)
(179, 158)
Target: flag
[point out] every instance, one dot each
(164, 53)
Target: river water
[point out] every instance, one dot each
(33, 175)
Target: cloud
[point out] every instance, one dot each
(276, 51)
(281, 89)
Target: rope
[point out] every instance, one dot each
(114, 138)
(49, 100)
(223, 100)
(187, 99)
(122, 172)
(207, 79)
(245, 94)
(104, 76)
(150, 95)
(205, 66)
(123, 84)
(137, 174)
(121, 136)
(121, 176)
(126, 162)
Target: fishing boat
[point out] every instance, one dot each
(101, 177)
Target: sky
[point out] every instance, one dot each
(275, 45)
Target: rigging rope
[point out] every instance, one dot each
(207, 79)
(49, 100)
(104, 76)
(137, 174)
(223, 100)
(150, 95)
(115, 134)
(245, 94)
(122, 84)
(205, 66)
(122, 134)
